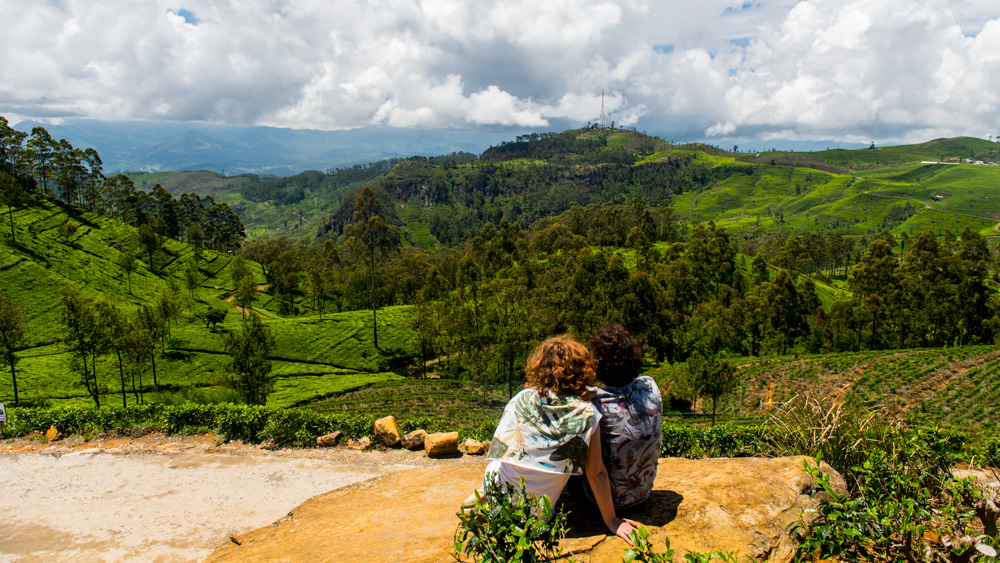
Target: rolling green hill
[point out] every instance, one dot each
(61, 248)
(852, 192)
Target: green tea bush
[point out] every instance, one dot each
(723, 440)
(186, 419)
(245, 423)
(506, 523)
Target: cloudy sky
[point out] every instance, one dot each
(845, 70)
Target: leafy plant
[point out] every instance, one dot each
(506, 523)
(642, 550)
(906, 506)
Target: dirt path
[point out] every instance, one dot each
(160, 498)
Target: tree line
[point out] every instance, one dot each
(36, 165)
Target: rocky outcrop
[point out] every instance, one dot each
(387, 432)
(742, 505)
(441, 444)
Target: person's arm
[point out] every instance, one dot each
(597, 475)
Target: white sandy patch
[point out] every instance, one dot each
(92, 506)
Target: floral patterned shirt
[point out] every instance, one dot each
(631, 432)
(544, 432)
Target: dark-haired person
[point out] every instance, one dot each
(548, 431)
(631, 415)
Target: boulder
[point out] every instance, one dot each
(471, 447)
(52, 434)
(414, 440)
(742, 505)
(386, 432)
(329, 440)
(441, 444)
(362, 443)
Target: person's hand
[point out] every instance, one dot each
(622, 527)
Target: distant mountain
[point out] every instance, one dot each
(160, 146)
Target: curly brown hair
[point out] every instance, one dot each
(560, 365)
(617, 355)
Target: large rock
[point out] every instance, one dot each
(441, 444)
(414, 440)
(387, 432)
(740, 505)
(329, 440)
(52, 434)
(471, 447)
(362, 443)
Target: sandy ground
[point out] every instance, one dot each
(160, 498)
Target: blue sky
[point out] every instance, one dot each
(721, 71)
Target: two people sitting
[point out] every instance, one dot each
(561, 427)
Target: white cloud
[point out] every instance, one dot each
(813, 68)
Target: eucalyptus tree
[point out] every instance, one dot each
(249, 368)
(86, 337)
(372, 238)
(12, 194)
(11, 337)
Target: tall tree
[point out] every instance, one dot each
(371, 238)
(86, 338)
(711, 377)
(40, 152)
(11, 337)
(244, 295)
(149, 241)
(249, 368)
(11, 194)
(118, 331)
(152, 324)
(127, 261)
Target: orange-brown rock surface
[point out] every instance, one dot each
(740, 505)
(441, 444)
(387, 432)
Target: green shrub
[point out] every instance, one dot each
(245, 423)
(507, 523)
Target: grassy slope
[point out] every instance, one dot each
(806, 199)
(313, 359)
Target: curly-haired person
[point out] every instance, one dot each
(547, 430)
(630, 411)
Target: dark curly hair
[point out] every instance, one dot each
(617, 355)
(560, 365)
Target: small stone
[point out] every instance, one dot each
(414, 440)
(360, 444)
(441, 444)
(329, 440)
(386, 432)
(52, 435)
(471, 447)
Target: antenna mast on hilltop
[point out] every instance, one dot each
(602, 108)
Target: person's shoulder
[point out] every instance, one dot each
(647, 384)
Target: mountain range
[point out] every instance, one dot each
(146, 146)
